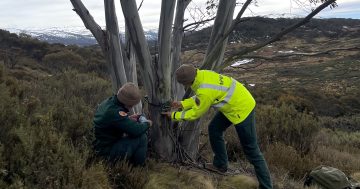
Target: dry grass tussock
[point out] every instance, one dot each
(163, 176)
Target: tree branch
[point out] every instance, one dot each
(197, 23)
(141, 46)
(276, 37)
(89, 22)
(218, 45)
(140, 5)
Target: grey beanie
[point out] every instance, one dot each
(129, 94)
(185, 74)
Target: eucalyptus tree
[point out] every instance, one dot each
(169, 141)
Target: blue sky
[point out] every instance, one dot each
(58, 13)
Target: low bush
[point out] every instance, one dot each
(300, 104)
(286, 125)
(125, 176)
(340, 140)
(348, 162)
(344, 123)
(63, 60)
(289, 160)
(40, 157)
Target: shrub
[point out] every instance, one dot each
(62, 60)
(88, 87)
(340, 140)
(41, 158)
(31, 104)
(345, 161)
(125, 176)
(73, 119)
(299, 103)
(286, 125)
(233, 145)
(2, 72)
(10, 114)
(344, 123)
(281, 156)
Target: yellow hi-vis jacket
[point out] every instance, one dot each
(219, 91)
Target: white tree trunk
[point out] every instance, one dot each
(129, 58)
(222, 22)
(115, 66)
(155, 76)
(113, 50)
(141, 47)
(178, 32)
(164, 66)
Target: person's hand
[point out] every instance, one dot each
(176, 104)
(150, 122)
(142, 119)
(134, 117)
(168, 114)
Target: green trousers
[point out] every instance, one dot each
(132, 149)
(247, 135)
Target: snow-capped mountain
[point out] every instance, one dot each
(69, 35)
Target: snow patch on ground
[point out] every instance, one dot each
(286, 52)
(241, 62)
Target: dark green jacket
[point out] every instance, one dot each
(111, 123)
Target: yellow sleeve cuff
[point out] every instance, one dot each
(177, 116)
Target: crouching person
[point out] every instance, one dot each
(119, 135)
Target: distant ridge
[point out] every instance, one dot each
(68, 35)
(254, 28)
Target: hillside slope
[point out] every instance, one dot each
(308, 113)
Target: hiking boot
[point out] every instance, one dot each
(212, 167)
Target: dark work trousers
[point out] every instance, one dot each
(132, 149)
(247, 135)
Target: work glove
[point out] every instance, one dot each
(167, 114)
(142, 119)
(176, 104)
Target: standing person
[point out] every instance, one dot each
(236, 106)
(118, 135)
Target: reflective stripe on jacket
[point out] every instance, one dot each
(219, 91)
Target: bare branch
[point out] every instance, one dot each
(89, 22)
(218, 44)
(198, 23)
(276, 37)
(140, 5)
(199, 18)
